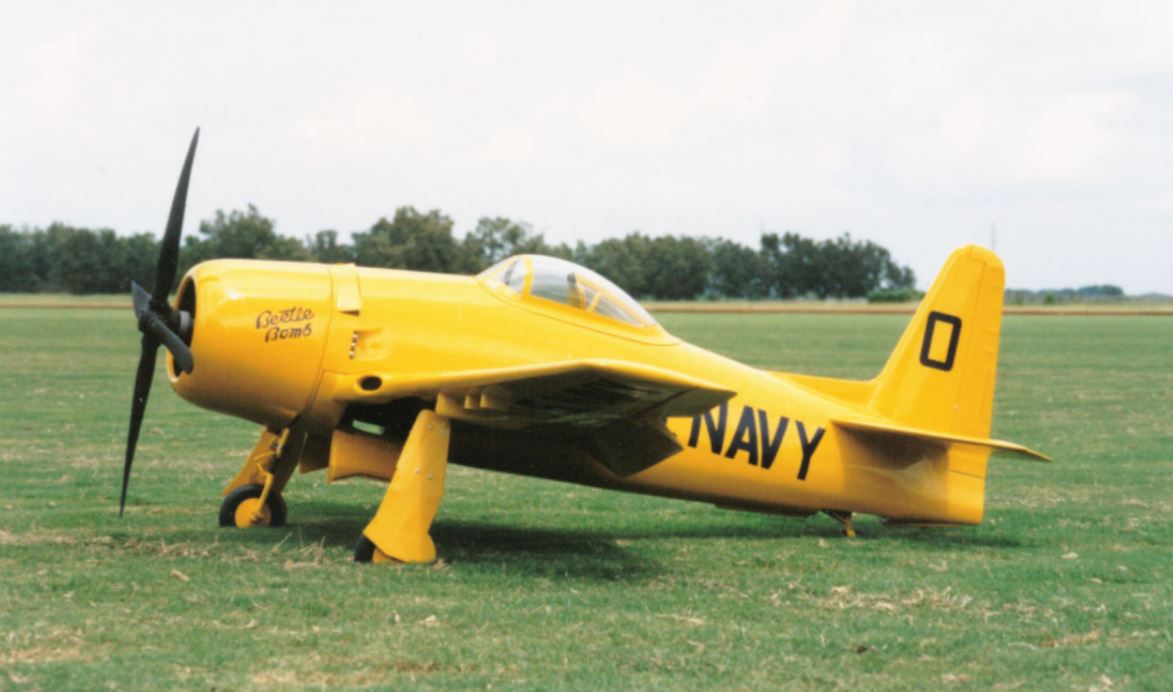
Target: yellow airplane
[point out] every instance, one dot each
(541, 367)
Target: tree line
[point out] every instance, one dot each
(63, 258)
(1096, 293)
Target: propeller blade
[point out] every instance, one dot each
(138, 405)
(142, 299)
(169, 248)
(155, 315)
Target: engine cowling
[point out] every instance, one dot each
(258, 334)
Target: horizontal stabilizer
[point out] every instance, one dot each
(905, 433)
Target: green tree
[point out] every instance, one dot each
(792, 264)
(622, 260)
(42, 261)
(1099, 292)
(17, 266)
(240, 234)
(898, 278)
(141, 252)
(325, 248)
(496, 238)
(286, 249)
(855, 268)
(837, 268)
(736, 271)
(86, 261)
(677, 268)
(410, 240)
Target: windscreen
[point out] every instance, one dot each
(560, 281)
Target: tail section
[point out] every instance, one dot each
(916, 442)
(920, 430)
(941, 375)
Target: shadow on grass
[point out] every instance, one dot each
(527, 551)
(599, 552)
(946, 538)
(594, 552)
(541, 551)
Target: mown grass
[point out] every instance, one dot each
(1066, 585)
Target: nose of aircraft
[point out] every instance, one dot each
(247, 338)
(258, 332)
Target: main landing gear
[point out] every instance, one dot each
(399, 531)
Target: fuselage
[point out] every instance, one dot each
(284, 344)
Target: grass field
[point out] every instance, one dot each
(1066, 585)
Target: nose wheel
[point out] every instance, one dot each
(244, 507)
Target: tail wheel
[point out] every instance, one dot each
(239, 508)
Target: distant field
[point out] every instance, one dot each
(1068, 584)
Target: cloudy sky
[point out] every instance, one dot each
(921, 126)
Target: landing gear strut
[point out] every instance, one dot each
(399, 530)
(843, 518)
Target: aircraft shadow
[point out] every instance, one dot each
(946, 539)
(541, 551)
(599, 552)
(534, 551)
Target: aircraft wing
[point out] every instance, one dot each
(892, 432)
(614, 409)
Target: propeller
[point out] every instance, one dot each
(157, 320)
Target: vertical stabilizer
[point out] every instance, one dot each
(941, 374)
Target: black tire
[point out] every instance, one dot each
(364, 550)
(276, 504)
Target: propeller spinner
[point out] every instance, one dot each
(157, 320)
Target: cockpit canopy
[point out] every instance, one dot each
(566, 283)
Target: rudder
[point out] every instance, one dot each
(941, 374)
